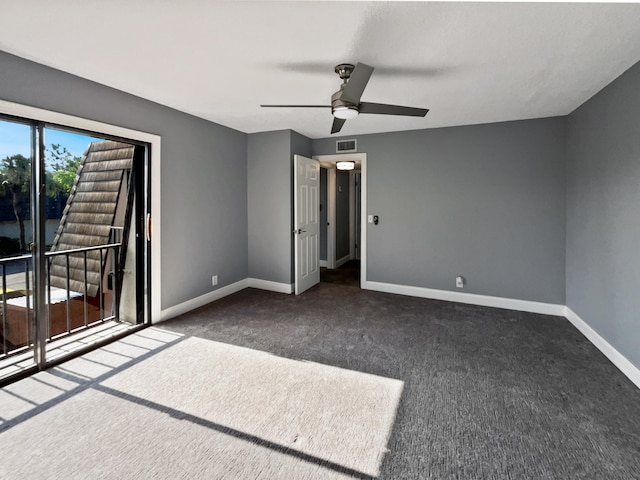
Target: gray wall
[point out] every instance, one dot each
(603, 213)
(270, 203)
(486, 202)
(300, 145)
(342, 214)
(203, 175)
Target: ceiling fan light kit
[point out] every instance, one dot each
(345, 112)
(346, 104)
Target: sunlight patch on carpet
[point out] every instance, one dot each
(332, 414)
(43, 388)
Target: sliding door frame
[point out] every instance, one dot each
(38, 245)
(40, 119)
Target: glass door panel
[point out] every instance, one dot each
(74, 296)
(16, 235)
(88, 225)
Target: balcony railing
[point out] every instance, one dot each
(13, 287)
(69, 310)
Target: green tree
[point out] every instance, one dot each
(15, 175)
(64, 168)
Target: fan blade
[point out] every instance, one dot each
(296, 106)
(383, 109)
(337, 124)
(357, 82)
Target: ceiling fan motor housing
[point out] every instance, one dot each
(342, 108)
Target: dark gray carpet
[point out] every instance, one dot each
(488, 393)
(347, 274)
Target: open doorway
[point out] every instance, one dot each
(342, 227)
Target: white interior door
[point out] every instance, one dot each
(306, 226)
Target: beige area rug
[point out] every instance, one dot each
(157, 405)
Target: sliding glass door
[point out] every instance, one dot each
(73, 241)
(16, 236)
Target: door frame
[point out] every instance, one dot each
(353, 212)
(331, 215)
(361, 158)
(62, 119)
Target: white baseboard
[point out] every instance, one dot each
(323, 263)
(470, 298)
(342, 261)
(271, 286)
(197, 302)
(618, 359)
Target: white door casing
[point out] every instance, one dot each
(331, 217)
(326, 161)
(306, 224)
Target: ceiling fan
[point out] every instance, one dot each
(346, 104)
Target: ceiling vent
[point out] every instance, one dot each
(344, 146)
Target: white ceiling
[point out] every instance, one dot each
(468, 62)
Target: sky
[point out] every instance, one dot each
(15, 138)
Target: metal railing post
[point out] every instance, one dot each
(29, 317)
(100, 289)
(115, 307)
(86, 290)
(4, 309)
(49, 297)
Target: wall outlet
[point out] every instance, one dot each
(370, 218)
(214, 280)
(459, 282)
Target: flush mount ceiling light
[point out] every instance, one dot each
(345, 165)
